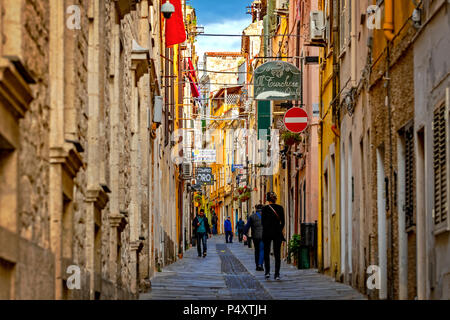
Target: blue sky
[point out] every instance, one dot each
(221, 16)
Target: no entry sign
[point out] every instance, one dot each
(296, 120)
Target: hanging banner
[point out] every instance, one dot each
(277, 80)
(264, 120)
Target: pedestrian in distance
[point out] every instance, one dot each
(254, 223)
(228, 230)
(214, 220)
(272, 218)
(240, 228)
(201, 230)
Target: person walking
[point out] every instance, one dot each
(254, 223)
(214, 220)
(240, 228)
(228, 230)
(201, 230)
(272, 219)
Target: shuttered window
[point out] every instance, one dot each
(409, 176)
(440, 166)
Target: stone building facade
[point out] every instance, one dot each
(355, 115)
(390, 118)
(432, 146)
(79, 149)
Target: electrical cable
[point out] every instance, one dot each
(242, 35)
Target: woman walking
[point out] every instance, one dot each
(272, 219)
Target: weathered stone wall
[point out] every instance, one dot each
(33, 164)
(47, 217)
(401, 95)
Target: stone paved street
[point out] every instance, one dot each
(228, 272)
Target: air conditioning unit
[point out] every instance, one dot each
(282, 5)
(317, 25)
(187, 169)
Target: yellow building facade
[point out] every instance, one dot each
(329, 191)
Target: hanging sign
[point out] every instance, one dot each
(204, 176)
(277, 80)
(204, 155)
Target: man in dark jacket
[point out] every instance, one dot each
(273, 225)
(240, 228)
(255, 224)
(201, 230)
(228, 230)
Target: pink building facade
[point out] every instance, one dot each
(304, 160)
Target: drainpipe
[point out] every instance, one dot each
(388, 25)
(353, 48)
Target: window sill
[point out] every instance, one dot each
(441, 228)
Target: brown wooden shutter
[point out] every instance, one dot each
(409, 176)
(440, 166)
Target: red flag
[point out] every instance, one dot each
(194, 89)
(175, 32)
(192, 78)
(192, 70)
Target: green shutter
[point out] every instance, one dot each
(264, 120)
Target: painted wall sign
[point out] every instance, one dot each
(277, 80)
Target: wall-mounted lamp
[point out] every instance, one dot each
(417, 17)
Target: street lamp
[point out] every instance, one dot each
(167, 9)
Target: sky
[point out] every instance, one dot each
(221, 16)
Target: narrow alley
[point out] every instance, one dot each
(228, 273)
(131, 129)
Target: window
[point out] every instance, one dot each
(343, 13)
(327, 22)
(333, 185)
(408, 165)
(345, 23)
(440, 143)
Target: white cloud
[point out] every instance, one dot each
(206, 43)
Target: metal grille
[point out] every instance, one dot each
(232, 99)
(439, 163)
(242, 285)
(409, 176)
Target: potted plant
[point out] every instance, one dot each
(245, 196)
(294, 247)
(291, 138)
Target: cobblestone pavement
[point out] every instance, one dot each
(228, 272)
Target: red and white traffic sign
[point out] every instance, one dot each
(296, 120)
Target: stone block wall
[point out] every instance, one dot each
(78, 148)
